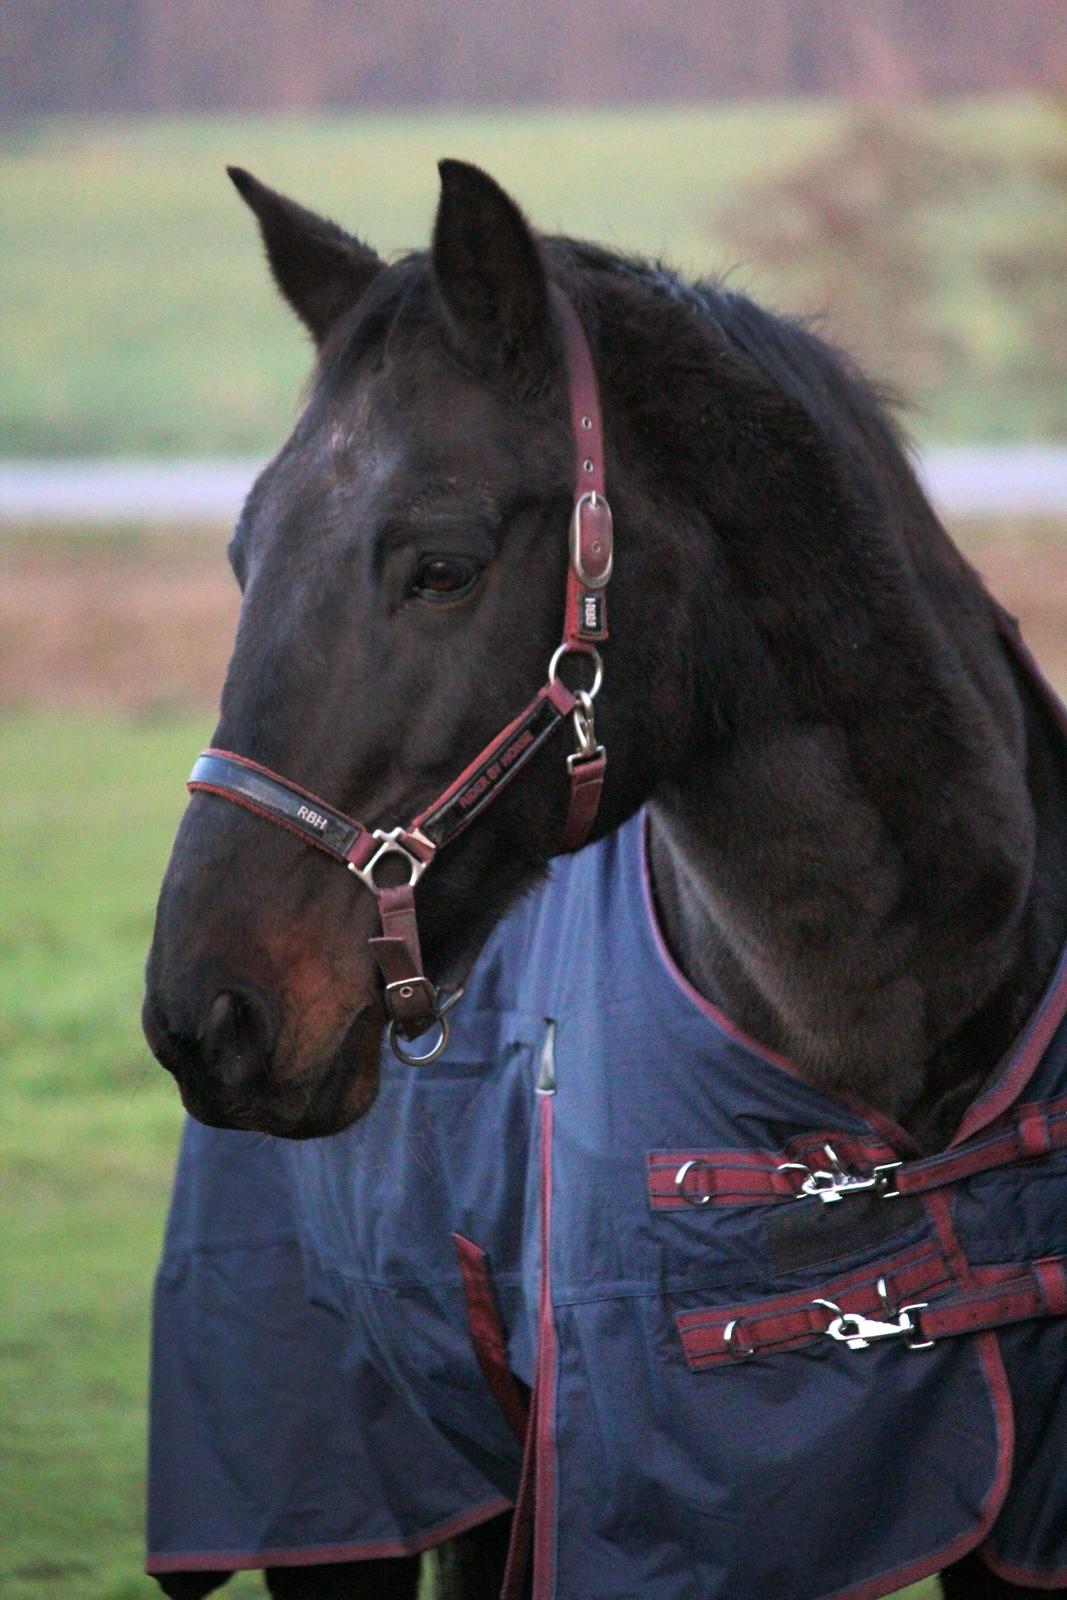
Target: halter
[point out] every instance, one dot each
(412, 1001)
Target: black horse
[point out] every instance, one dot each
(858, 811)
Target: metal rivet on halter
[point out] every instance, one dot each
(444, 1026)
(687, 1195)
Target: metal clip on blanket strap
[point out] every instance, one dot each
(859, 1332)
(835, 1183)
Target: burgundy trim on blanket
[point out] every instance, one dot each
(326, 1554)
(1026, 1577)
(535, 1504)
(487, 1334)
(546, 1487)
(895, 1136)
(1022, 1060)
(718, 1017)
(925, 1566)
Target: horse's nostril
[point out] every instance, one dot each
(236, 1038)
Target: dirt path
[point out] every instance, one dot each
(146, 621)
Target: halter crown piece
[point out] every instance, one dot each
(413, 1003)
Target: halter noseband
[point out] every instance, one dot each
(411, 1000)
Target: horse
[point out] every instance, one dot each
(855, 798)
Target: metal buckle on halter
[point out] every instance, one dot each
(859, 1331)
(600, 547)
(390, 846)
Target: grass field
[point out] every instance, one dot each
(137, 316)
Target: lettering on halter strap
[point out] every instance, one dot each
(592, 612)
(314, 819)
(494, 771)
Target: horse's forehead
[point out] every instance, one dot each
(427, 417)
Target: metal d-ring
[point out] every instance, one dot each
(742, 1352)
(591, 654)
(441, 1019)
(679, 1183)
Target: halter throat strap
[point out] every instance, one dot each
(378, 856)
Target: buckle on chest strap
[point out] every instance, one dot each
(835, 1182)
(859, 1332)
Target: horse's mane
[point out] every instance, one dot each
(853, 415)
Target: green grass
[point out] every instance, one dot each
(88, 1126)
(87, 1133)
(137, 315)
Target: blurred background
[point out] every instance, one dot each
(901, 171)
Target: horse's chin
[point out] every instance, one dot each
(314, 1109)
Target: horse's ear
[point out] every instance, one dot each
(320, 269)
(489, 271)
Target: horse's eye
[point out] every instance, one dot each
(443, 577)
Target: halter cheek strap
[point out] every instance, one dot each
(411, 1000)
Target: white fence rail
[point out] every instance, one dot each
(979, 481)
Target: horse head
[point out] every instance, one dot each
(403, 564)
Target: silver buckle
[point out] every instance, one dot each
(390, 846)
(593, 500)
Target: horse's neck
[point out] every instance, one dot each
(880, 896)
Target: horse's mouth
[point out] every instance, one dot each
(337, 1099)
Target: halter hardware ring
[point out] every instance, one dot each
(411, 1060)
(590, 654)
(441, 1018)
(390, 846)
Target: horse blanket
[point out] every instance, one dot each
(603, 1187)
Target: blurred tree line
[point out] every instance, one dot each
(859, 235)
(100, 56)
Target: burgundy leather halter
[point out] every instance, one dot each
(411, 1000)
